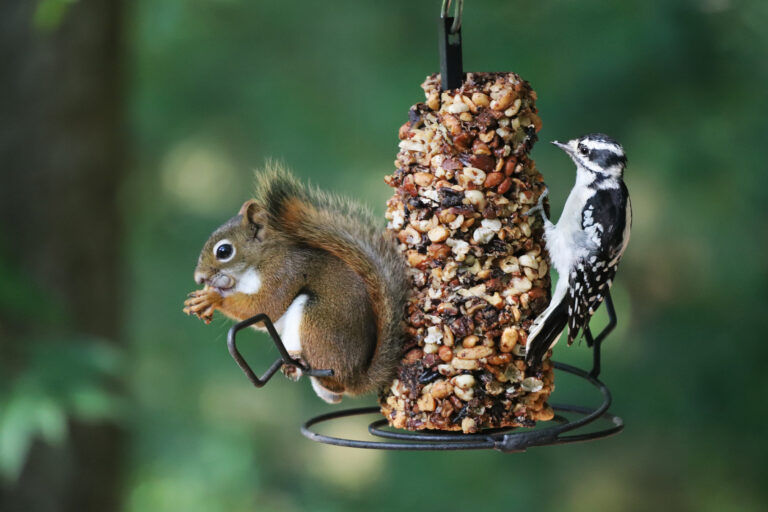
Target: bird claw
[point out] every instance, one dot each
(539, 208)
(534, 210)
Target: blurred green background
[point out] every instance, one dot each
(130, 130)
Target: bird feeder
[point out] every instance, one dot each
(463, 182)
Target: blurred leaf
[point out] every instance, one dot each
(62, 379)
(51, 419)
(226, 84)
(50, 13)
(94, 403)
(16, 431)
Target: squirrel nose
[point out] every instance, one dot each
(201, 276)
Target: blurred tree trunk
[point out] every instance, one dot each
(61, 162)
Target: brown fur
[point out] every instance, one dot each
(303, 241)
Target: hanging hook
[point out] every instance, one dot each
(456, 15)
(451, 67)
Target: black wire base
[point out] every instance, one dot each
(504, 440)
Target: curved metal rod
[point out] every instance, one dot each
(501, 440)
(375, 428)
(285, 357)
(376, 445)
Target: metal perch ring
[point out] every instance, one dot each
(506, 440)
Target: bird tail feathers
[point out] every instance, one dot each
(546, 331)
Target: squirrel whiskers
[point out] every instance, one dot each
(334, 284)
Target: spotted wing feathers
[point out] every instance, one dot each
(588, 285)
(603, 220)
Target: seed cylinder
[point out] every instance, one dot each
(463, 181)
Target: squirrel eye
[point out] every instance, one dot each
(224, 251)
(583, 149)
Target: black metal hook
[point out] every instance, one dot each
(285, 357)
(451, 66)
(456, 26)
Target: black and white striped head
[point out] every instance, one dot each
(596, 153)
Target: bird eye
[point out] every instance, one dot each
(583, 149)
(224, 251)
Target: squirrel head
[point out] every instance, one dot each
(229, 257)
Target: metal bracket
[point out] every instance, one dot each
(284, 359)
(451, 66)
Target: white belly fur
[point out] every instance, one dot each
(324, 393)
(289, 325)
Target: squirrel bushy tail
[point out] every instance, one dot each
(348, 231)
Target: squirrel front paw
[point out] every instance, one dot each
(202, 304)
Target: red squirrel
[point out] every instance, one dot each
(333, 284)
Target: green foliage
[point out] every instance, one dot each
(50, 14)
(62, 379)
(215, 87)
(324, 88)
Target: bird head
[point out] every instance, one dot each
(596, 153)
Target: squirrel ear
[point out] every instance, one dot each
(254, 217)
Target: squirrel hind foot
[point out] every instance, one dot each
(326, 394)
(292, 371)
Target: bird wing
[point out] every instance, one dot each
(603, 221)
(588, 285)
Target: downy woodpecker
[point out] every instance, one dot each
(587, 242)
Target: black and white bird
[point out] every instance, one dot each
(587, 242)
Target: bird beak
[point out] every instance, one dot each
(562, 145)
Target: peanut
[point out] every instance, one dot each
(465, 364)
(468, 426)
(413, 355)
(426, 403)
(415, 258)
(423, 179)
(480, 99)
(447, 336)
(441, 389)
(438, 234)
(445, 353)
(500, 359)
(465, 381)
(474, 352)
(504, 101)
(508, 339)
(469, 341)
